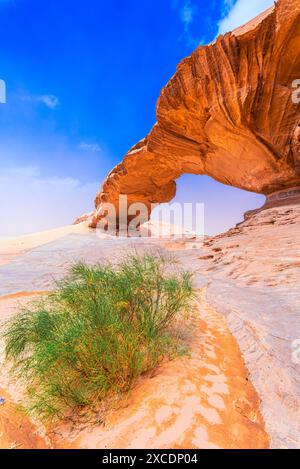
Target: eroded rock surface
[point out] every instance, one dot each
(252, 274)
(227, 112)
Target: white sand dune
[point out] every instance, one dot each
(11, 247)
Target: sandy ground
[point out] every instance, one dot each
(12, 247)
(15, 246)
(204, 400)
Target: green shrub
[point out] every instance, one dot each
(97, 332)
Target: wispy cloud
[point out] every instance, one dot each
(240, 12)
(87, 146)
(229, 3)
(187, 14)
(187, 11)
(49, 100)
(31, 202)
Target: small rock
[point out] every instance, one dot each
(2, 401)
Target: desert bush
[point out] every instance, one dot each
(100, 330)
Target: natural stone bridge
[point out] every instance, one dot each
(227, 112)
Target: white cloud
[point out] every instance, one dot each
(93, 147)
(241, 12)
(49, 100)
(187, 11)
(187, 14)
(30, 202)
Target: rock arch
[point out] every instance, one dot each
(227, 112)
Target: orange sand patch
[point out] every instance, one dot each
(17, 431)
(9, 304)
(23, 294)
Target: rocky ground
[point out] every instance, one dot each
(252, 276)
(247, 281)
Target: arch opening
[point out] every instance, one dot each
(224, 206)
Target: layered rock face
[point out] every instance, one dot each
(227, 112)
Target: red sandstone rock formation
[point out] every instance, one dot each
(227, 113)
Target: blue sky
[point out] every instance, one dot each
(82, 82)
